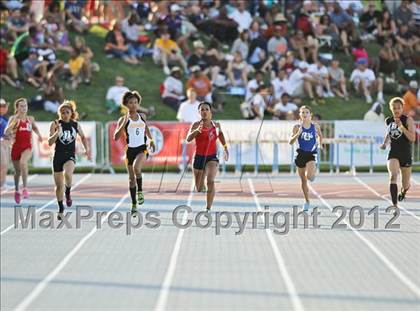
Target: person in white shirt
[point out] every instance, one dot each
(259, 102)
(375, 113)
(284, 108)
(241, 16)
(280, 85)
(319, 72)
(173, 89)
(253, 84)
(364, 81)
(115, 93)
(188, 110)
(301, 82)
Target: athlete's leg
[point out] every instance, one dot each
(68, 178)
(304, 182)
(132, 183)
(211, 171)
(59, 192)
(405, 181)
(137, 166)
(199, 179)
(24, 159)
(16, 166)
(310, 170)
(393, 169)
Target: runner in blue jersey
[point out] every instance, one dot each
(4, 142)
(306, 134)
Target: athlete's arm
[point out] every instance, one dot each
(385, 143)
(84, 141)
(319, 133)
(54, 130)
(195, 130)
(121, 123)
(223, 141)
(35, 128)
(149, 135)
(297, 130)
(409, 131)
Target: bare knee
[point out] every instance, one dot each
(210, 184)
(393, 178)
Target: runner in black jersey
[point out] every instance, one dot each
(63, 133)
(133, 126)
(400, 131)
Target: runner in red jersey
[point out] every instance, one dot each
(206, 132)
(21, 126)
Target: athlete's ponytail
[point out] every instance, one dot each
(70, 104)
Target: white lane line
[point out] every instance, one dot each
(50, 202)
(383, 197)
(13, 187)
(43, 284)
(291, 289)
(167, 281)
(410, 284)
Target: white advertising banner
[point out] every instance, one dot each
(247, 130)
(43, 154)
(361, 152)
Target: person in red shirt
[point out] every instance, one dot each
(21, 125)
(206, 132)
(8, 69)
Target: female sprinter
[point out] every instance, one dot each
(306, 133)
(21, 126)
(206, 132)
(63, 133)
(400, 130)
(136, 133)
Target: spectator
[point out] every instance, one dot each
(338, 80)
(375, 113)
(8, 69)
(53, 95)
(412, 101)
(301, 82)
(34, 70)
(82, 49)
(222, 27)
(364, 81)
(174, 24)
(173, 89)
(199, 58)
(369, 22)
(279, 23)
(386, 26)
(117, 45)
(188, 110)
(408, 72)
(345, 25)
(403, 15)
(304, 47)
(359, 51)
(407, 42)
(253, 84)
(237, 71)
(326, 31)
(284, 108)
(17, 23)
(241, 16)
(388, 58)
(201, 84)
(319, 73)
(241, 44)
(277, 45)
(415, 8)
(259, 102)
(74, 10)
(280, 85)
(167, 51)
(114, 94)
(75, 65)
(131, 30)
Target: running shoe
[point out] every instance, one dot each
(133, 209)
(140, 197)
(25, 193)
(203, 189)
(17, 197)
(306, 206)
(401, 196)
(207, 210)
(69, 201)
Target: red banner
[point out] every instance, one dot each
(168, 138)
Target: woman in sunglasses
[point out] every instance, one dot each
(63, 133)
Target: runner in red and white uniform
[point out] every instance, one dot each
(206, 132)
(21, 126)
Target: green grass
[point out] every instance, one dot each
(147, 77)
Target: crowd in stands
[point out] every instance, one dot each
(273, 54)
